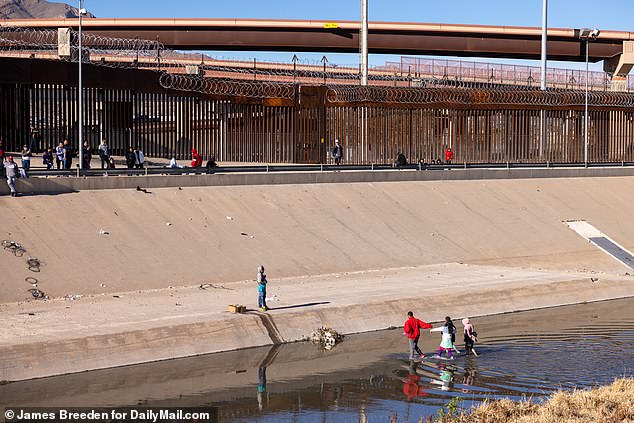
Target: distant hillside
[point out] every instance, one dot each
(32, 9)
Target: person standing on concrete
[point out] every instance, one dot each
(411, 329)
(86, 155)
(104, 153)
(47, 158)
(448, 156)
(68, 155)
(26, 158)
(262, 289)
(337, 152)
(11, 169)
(140, 158)
(59, 155)
(130, 158)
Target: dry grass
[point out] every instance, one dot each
(612, 403)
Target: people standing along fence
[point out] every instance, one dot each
(68, 155)
(130, 158)
(26, 158)
(12, 171)
(47, 158)
(59, 155)
(86, 155)
(337, 152)
(140, 158)
(104, 153)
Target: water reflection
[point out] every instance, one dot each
(262, 388)
(368, 377)
(412, 384)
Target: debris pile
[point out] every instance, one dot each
(326, 337)
(32, 263)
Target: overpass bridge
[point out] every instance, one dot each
(343, 37)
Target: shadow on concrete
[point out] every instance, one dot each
(300, 305)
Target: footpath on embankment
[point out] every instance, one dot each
(353, 256)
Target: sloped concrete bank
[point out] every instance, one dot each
(49, 350)
(123, 267)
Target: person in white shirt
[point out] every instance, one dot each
(140, 158)
(11, 169)
(445, 342)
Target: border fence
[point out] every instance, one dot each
(138, 93)
(481, 125)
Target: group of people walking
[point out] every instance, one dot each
(412, 328)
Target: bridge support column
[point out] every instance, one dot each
(619, 66)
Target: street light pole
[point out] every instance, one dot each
(80, 95)
(543, 113)
(363, 42)
(363, 47)
(544, 47)
(585, 153)
(587, 35)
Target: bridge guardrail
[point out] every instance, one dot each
(157, 170)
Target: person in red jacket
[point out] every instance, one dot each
(196, 160)
(411, 328)
(448, 156)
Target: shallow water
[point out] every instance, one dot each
(513, 364)
(368, 377)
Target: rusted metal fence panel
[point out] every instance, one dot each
(478, 131)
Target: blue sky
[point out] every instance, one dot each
(603, 14)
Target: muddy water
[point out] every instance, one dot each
(368, 377)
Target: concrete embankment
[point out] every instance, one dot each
(226, 376)
(381, 249)
(95, 332)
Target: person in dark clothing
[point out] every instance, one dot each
(47, 158)
(2, 173)
(337, 152)
(33, 140)
(86, 155)
(401, 160)
(130, 158)
(211, 164)
(68, 155)
(470, 337)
